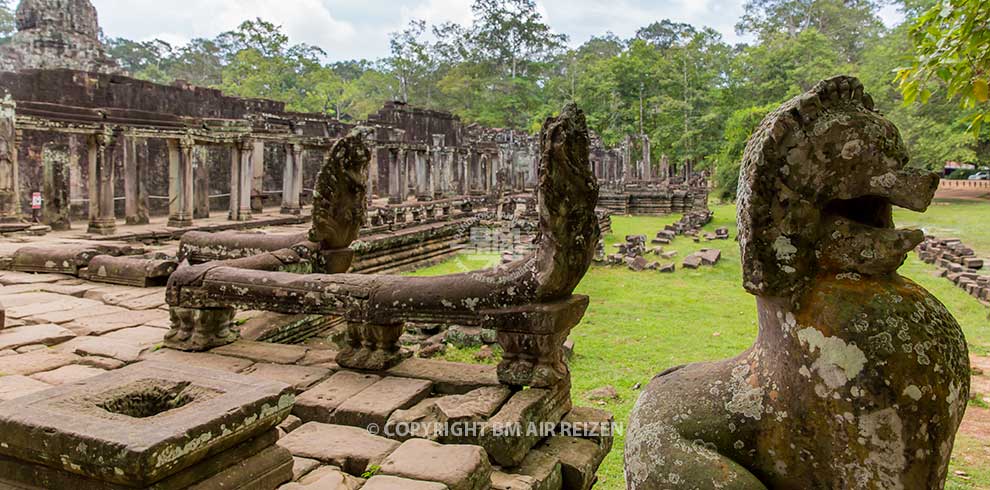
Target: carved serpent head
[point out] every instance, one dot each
(340, 192)
(818, 181)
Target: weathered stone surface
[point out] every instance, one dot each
(61, 303)
(200, 360)
(263, 351)
(95, 429)
(692, 262)
(579, 460)
(47, 334)
(302, 466)
(119, 319)
(262, 471)
(300, 378)
(385, 482)
(318, 357)
(422, 420)
(72, 373)
(290, 424)
(325, 478)
(81, 308)
(35, 362)
(460, 467)
(447, 378)
(544, 468)
(507, 481)
(319, 402)
(374, 404)
(100, 346)
(350, 448)
(195, 329)
(16, 386)
(9, 278)
(590, 423)
(849, 354)
(476, 405)
(143, 336)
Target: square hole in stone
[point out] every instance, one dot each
(151, 397)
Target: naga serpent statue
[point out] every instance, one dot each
(858, 378)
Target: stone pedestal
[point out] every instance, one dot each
(148, 425)
(333, 261)
(371, 347)
(200, 329)
(532, 337)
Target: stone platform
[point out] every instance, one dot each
(421, 424)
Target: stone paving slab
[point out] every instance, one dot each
(73, 373)
(136, 298)
(448, 380)
(386, 482)
(263, 351)
(11, 277)
(120, 319)
(460, 467)
(36, 362)
(144, 335)
(349, 448)
(300, 378)
(106, 347)
(325, 478)
(198, 359)
(22, 299)
(318, 357)
(83, 309)
(479, 404)
(99, 293)
(374, 404)
(16, 386)
(319, 402)
(47, 334)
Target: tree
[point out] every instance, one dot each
(7, 24)
(952, 53)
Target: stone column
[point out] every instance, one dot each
(101, 214)
(9, 202)
(257, 189)
(627, 163)
(647, 166)
(394, 178)
(292, 179)
(241, 179)
(665, 168)
(403, 176)
(201, 182)
(135, 192)
(55, 191)
(180, 189)
(422, 184)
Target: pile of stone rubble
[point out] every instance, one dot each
(957, 263)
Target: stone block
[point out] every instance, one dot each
(47, 334)
(579, 460)
(422, 420)
(36, 362)
(263, 351)
(319, 357)
(144, 336)
(710, 256)
(590, 423)
(201, 360)
(349, 448)
(81, 308)
(448, 377)
(325, 478)
(692, 261)
(101, 346)
(264, 470)
(374, 404)
(319, 402)
(543, 468)
(300, 378)
(302, 466)
(62, 303)
(118, 319)
(460, 467)
(141, 423)
(477, 405)
(16, 386)
(386, 482)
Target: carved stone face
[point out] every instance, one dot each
(839, 167)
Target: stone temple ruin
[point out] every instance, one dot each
(859, 378)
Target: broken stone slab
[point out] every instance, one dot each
(667, 268)
(579, 460)
(35, 362)
(105, 363)
(422, 420)
(386, 482)
(637, 264)
(349, 448)
(374, 404)
(692, 262)
(202, 360)
(448, 378)
(263, 351)
(94, 428)
(130, 271)
(476, 405)
(46, 334)
(325, 478)
(136, 298)
(319, 402)
(300, 378)
(106, 347)
(460, 467)
(73, 373)
(16, 386)
(710, 256)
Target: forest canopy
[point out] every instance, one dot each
(697, 97)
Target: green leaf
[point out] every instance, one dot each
(980, 90)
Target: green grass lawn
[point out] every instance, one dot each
(640, 323)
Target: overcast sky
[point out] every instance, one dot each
(351, 29)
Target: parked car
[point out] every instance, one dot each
(981, 175)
